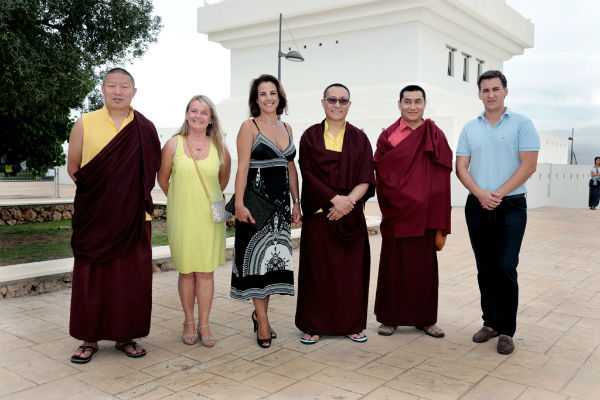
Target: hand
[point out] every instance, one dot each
(243, 214)
(296, 213)
(489, 200)
(334, 214)
(342, 204)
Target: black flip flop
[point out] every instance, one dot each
(121, 347)
(84, 360)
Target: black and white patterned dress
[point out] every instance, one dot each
(262, 259)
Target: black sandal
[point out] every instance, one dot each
(121, 347)
(84, 360)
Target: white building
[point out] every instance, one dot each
(375, 47)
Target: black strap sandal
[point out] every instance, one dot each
(84, 360)
(122, 346)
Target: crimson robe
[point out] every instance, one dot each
(112, 276)
(413, 190)
(333, 278)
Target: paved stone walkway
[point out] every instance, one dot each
(557, 354)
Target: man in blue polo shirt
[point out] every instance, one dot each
(497, 152)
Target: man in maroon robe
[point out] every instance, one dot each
(413, 163)
(337, 173)
(114, 155)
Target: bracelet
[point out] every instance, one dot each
(296, 201)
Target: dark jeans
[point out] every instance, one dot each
(496, 238)
(594, 195)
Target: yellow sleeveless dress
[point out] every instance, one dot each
(197, 243)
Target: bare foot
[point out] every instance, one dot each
(358, 337)
(206, 336)
(131, 349)
(189, 333)
(311, 337)
(85, 352)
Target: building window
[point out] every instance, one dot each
(451, 51)
(479, 67)
(466, 59)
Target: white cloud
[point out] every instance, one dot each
(557, 83)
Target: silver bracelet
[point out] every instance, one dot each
(296, 201)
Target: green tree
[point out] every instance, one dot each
(52, 56)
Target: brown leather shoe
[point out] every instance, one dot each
(484, 334)
(505, 344)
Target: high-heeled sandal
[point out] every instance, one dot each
(186, 338)
(261, 342)
(206, 341)
(273, 333)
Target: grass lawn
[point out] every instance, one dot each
(41, 241)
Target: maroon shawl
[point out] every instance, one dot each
(413, 181)
(327, 173)
(113, 191)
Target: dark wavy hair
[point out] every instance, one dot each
(253, 97)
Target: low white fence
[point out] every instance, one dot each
(552, 185)
(24, 185)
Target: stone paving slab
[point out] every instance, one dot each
(557, 353)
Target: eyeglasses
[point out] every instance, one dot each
(342, 100)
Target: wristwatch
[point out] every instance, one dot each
(296, 201)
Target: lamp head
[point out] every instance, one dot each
(294, 56)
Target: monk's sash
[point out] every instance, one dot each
(113, 192)
(327, 173)
(413, 181)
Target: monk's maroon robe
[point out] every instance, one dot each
(333, 278)
(112, 276)
(413, 190)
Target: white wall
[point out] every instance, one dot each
(569, 186)
(552, 185)
(553, 149)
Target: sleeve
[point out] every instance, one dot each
(463, 148)
(529, 139)
(367, 170)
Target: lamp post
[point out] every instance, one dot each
(572, 139)
(293, 55)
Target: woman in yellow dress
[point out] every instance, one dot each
(197, 243)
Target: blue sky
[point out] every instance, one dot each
(556, 83)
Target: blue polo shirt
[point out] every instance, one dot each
(494, 150)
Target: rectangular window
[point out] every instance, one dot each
(466, 59)
(451, 51)
(479, 67)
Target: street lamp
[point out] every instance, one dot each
(293, 55)
(572, 139)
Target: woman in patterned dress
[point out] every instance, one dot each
(262, 260)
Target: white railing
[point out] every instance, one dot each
(24, 185)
